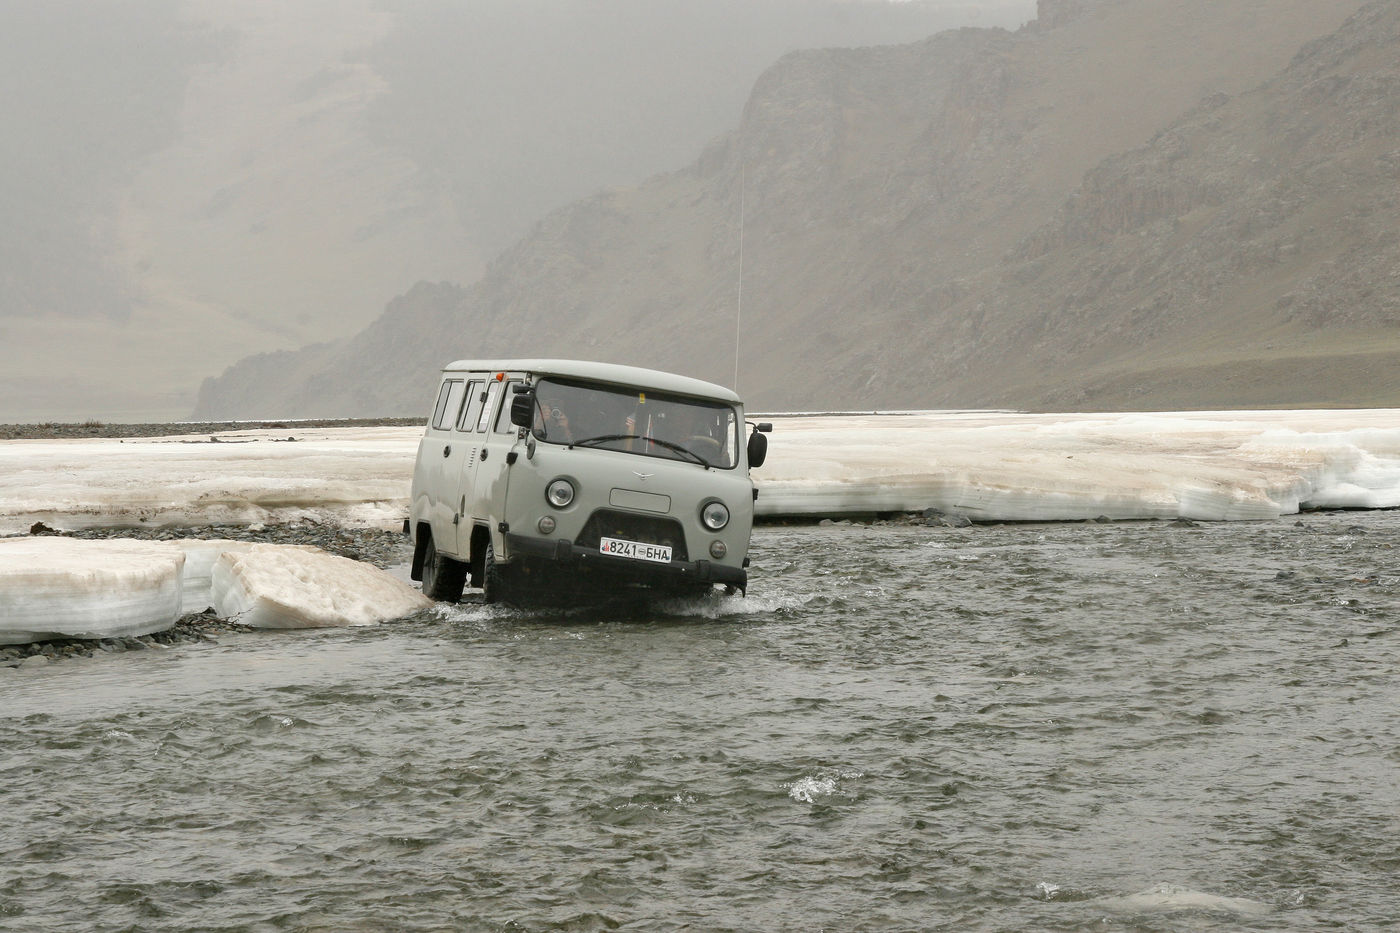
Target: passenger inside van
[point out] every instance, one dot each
(551, 422)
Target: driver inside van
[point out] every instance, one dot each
(693, 430)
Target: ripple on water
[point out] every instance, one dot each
(1001, 728)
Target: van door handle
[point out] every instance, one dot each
(446, 449)
(484, 452)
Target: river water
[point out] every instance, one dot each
(1136, 726)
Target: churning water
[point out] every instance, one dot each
(1139, 726)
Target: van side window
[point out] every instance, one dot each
(503, 425)
(493, 392)
(441, 405)
(473, 409)
(449, 402)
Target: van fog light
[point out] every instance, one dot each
(717, 549)
(715, 515)
(546, 525)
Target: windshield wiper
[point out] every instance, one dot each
(601, 438)
(604, 438)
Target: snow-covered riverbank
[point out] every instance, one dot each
(991, 466)
(1007, 466)
(987, 466)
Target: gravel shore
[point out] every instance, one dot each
(51, 430)
(373, 546)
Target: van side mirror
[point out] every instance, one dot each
(522, 408)
(758, 449)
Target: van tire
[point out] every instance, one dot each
(443, 577)
(493, 577)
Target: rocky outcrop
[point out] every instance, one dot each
(1249, 233)
(1134, 204)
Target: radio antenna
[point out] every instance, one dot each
(739, 309)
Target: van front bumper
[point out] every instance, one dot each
(564, 554)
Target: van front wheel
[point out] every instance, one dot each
(493, 577)
(443, 577)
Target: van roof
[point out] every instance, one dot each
(612, 373)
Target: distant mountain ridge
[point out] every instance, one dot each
(1126, 204)
(186, 182)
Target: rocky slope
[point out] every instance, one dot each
(1129, 203)
(187, 182)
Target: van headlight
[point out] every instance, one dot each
(560, 493)
(714, 515)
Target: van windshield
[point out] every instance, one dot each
(651, 424)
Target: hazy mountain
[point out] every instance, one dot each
(1130, 203)
(185, 182)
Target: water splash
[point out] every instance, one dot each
(808, 789)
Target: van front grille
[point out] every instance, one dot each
(606, 523)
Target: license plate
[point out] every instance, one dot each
(636, 550)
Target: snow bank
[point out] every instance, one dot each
(1006, 466)
(272, 586)
(346, 475)
(61, 587)
(992, 466)
(53, 587)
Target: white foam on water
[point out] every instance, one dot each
(718, 605)
(808, 789)
(675, 800)
(1171, 897)
(471, 610)
(811, 787)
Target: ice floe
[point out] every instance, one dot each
(265, 586)
(61, 587)
(200, 556)
(53, 587)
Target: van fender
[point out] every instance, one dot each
(481, 535)
(422, 532)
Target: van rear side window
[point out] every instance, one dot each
(493, 391)
(449, 403)
(469, 414)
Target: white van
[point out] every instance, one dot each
(548, 479)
